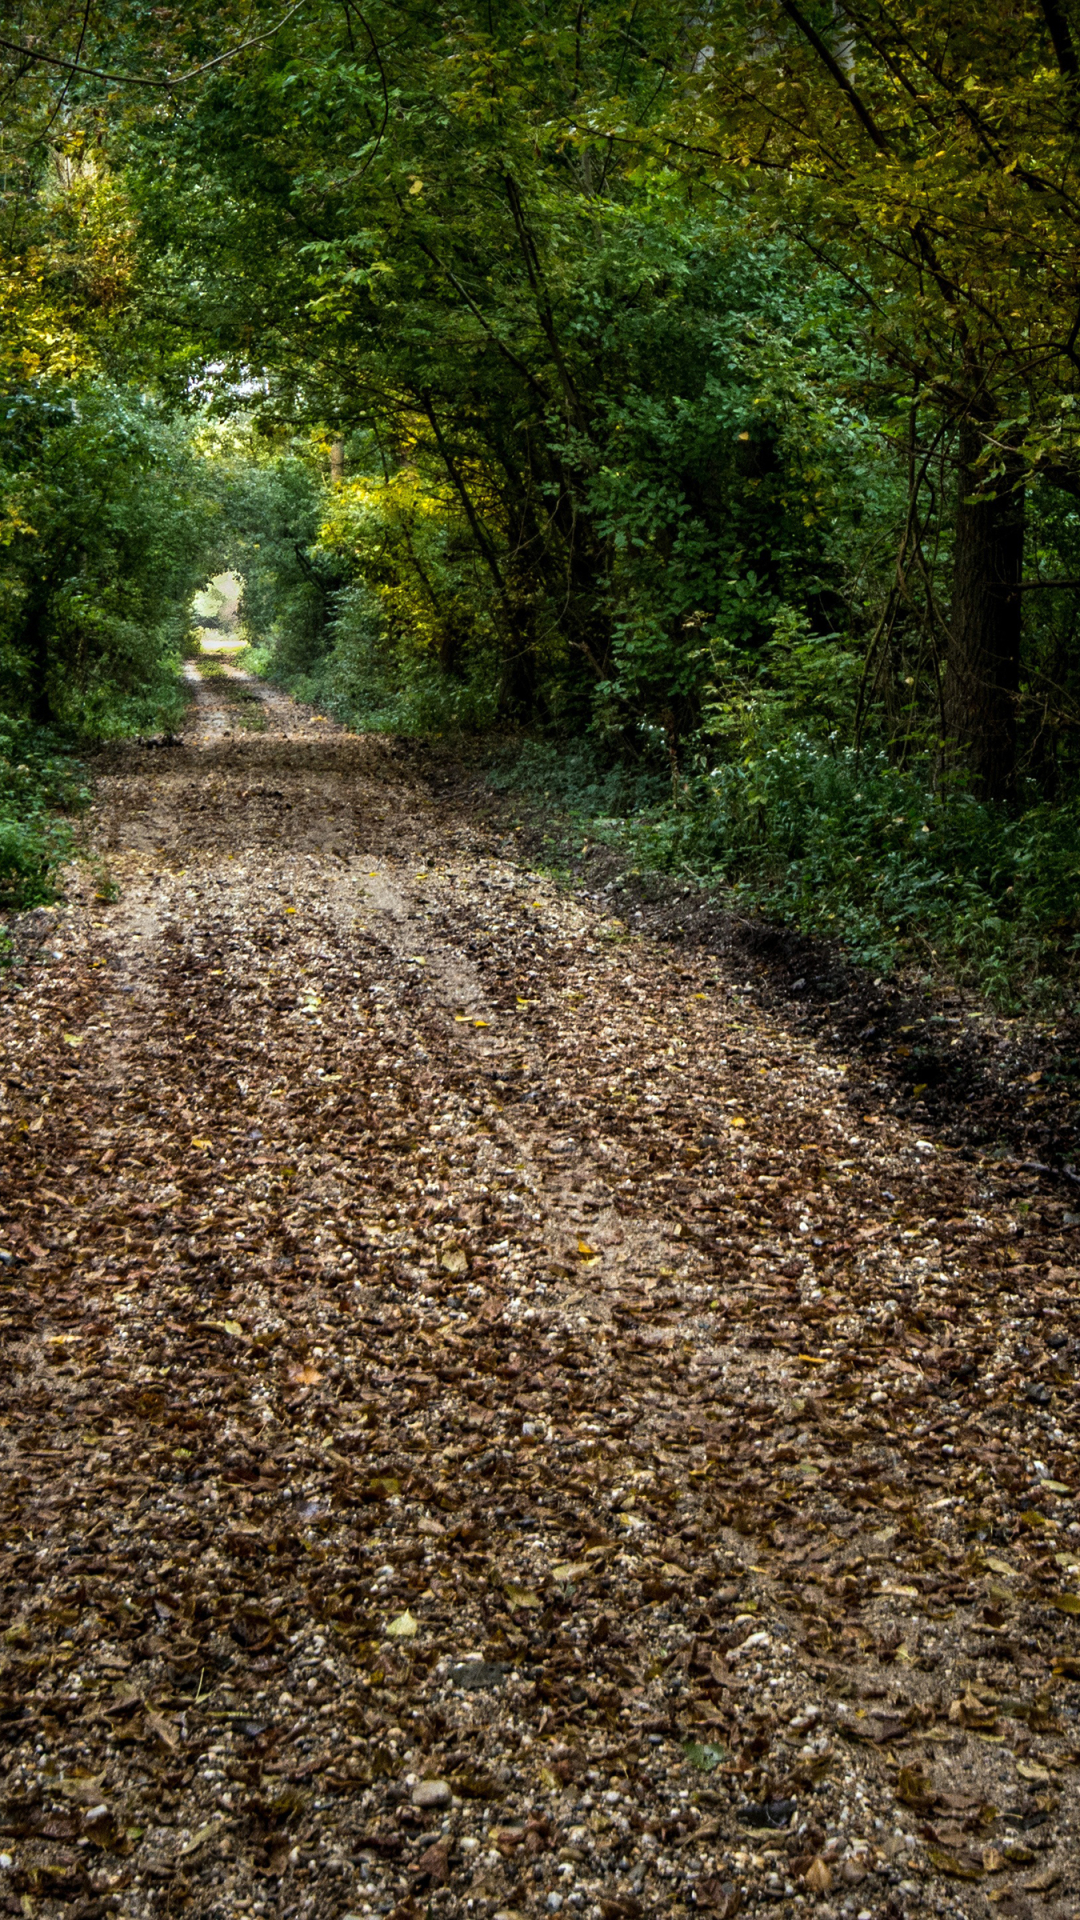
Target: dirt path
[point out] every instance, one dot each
(485, 1429)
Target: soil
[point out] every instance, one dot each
(506, 1414)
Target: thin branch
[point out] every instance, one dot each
(351, 7)
(141, 79)
(861, 111)
(78, 56)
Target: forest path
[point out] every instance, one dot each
(451, 1340)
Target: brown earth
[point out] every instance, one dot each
(494, 1422)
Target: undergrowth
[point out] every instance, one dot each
(849, 847)
(42, 786)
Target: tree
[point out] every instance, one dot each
(929, 154)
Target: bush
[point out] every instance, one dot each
(849, 847)
(38, 783)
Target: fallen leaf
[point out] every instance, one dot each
(434, 1862)
(959, 1866)
(164, 1729)
(1043, 1882)
(915, 1790)
(818, 1875)
(304, 1376)
(521, 1597)
(403, 1628)
(200, 1838)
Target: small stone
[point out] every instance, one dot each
(432, 1793)
(554, 1902)
(474, 1674)
(771, 1813)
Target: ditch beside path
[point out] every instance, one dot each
(486, 1428)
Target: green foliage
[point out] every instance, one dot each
(39, 784)
(848, 846)
(107, 523)
(586, 373)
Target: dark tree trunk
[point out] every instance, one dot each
(36, 644)
(982, 672)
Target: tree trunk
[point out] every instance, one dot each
(982, 672)
(35, 638)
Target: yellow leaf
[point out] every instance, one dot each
(73, 1039)
(290, 909)
(571, 1570)
(403, 1628)
(587, 1252)
(1028, 1770)
(521, 1597)
(454, 1260)
(736, 1120)
(202, 1144)
(481, 1023)
(233, 1327)
(1066, 1602)
(1000, 1566)
(199, 1839)
(305, 1376)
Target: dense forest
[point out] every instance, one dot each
(686, 400)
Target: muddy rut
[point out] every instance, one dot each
(486, 1429)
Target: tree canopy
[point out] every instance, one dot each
(684, 381)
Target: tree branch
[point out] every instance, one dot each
(862, 112)
(142, 79)
(1057, 27)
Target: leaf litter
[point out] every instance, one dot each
(502, 1435)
